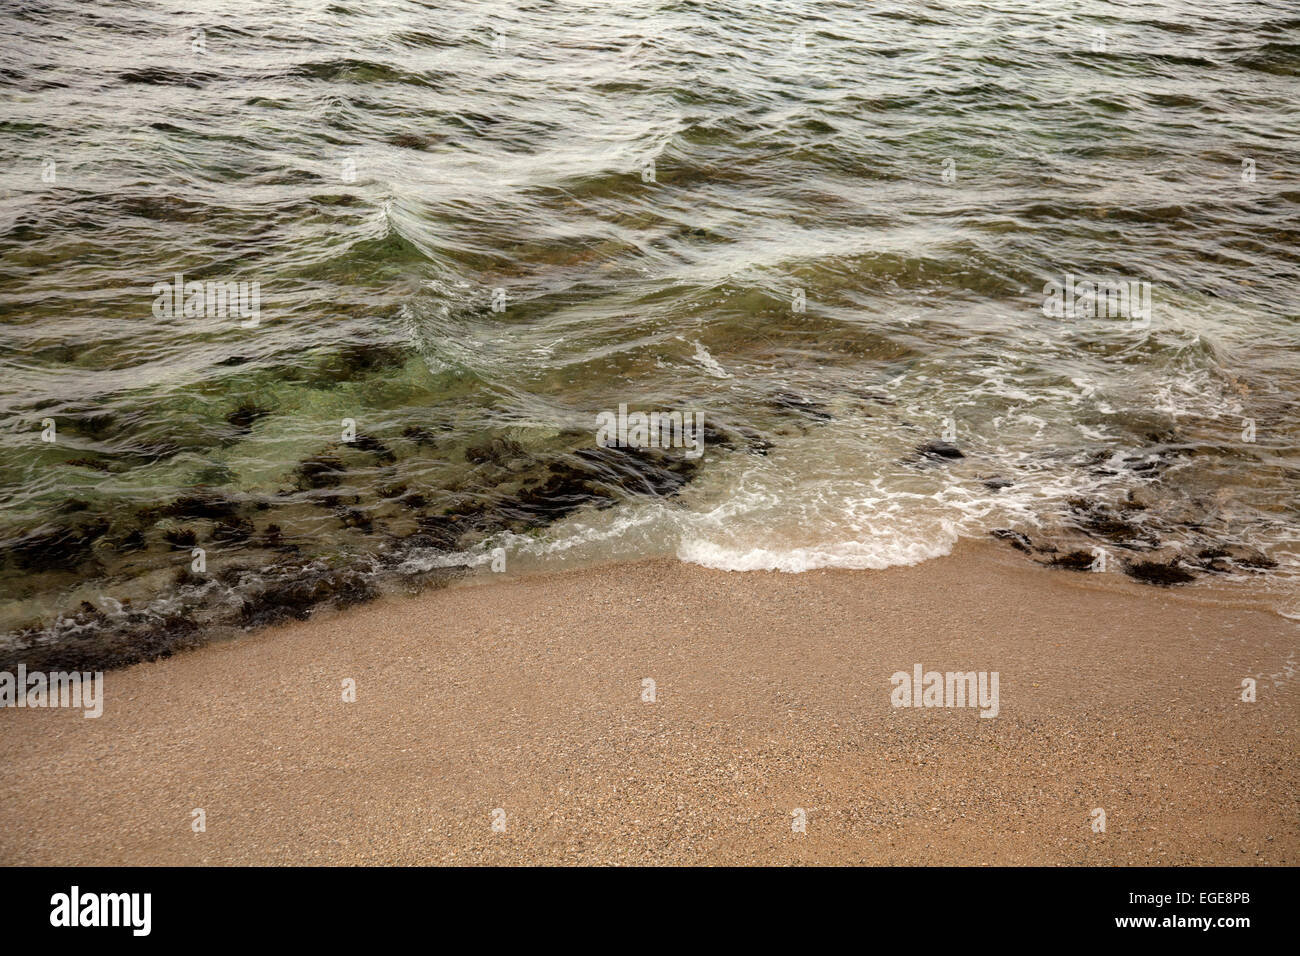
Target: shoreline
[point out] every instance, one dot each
(525, 694)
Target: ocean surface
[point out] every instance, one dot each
(833, 230)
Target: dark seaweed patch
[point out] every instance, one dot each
(181, 537)
(596, 477)
(160, 76)
(213, 505)
(1155, 572)
(599, 475)
(801, 406)
(245, 415)
(184, 577)
(640, 471)
(736, 436)
(353, 360)
(96, 425)
(133, 540)
(297, 598)
(232, 530)
(415, 140)
(1226, 558)
(1016, 539)
(419, 434)
(1073, 561)
(443, 531)
(55, 547)
(1115, 525)
(232, 575)
(164, 208)
(368, 443)
(319, 471)
(561, 494)
(92, 463)
(91, 644)
(499, 451)
(355, 518)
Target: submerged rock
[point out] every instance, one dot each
(736, 436)
(804, 407)
(940, 450)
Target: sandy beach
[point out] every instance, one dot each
(771, 696)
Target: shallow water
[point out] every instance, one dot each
(654, 186)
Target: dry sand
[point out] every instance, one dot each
(772, 694)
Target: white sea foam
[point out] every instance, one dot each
(711, 365)
(858, 555)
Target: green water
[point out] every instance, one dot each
(653, 186)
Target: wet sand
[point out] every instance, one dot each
(772, 695)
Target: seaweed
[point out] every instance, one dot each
(319, 471)
(419, 434)
(801, 406)
(232, 530)
(1155, 572)
(1016, 539)
(499, 451)
(298, 597)
(245, 415)
(208, 504)
(368, 443)
(181, 537)
(1073, 561)
(55, 547)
